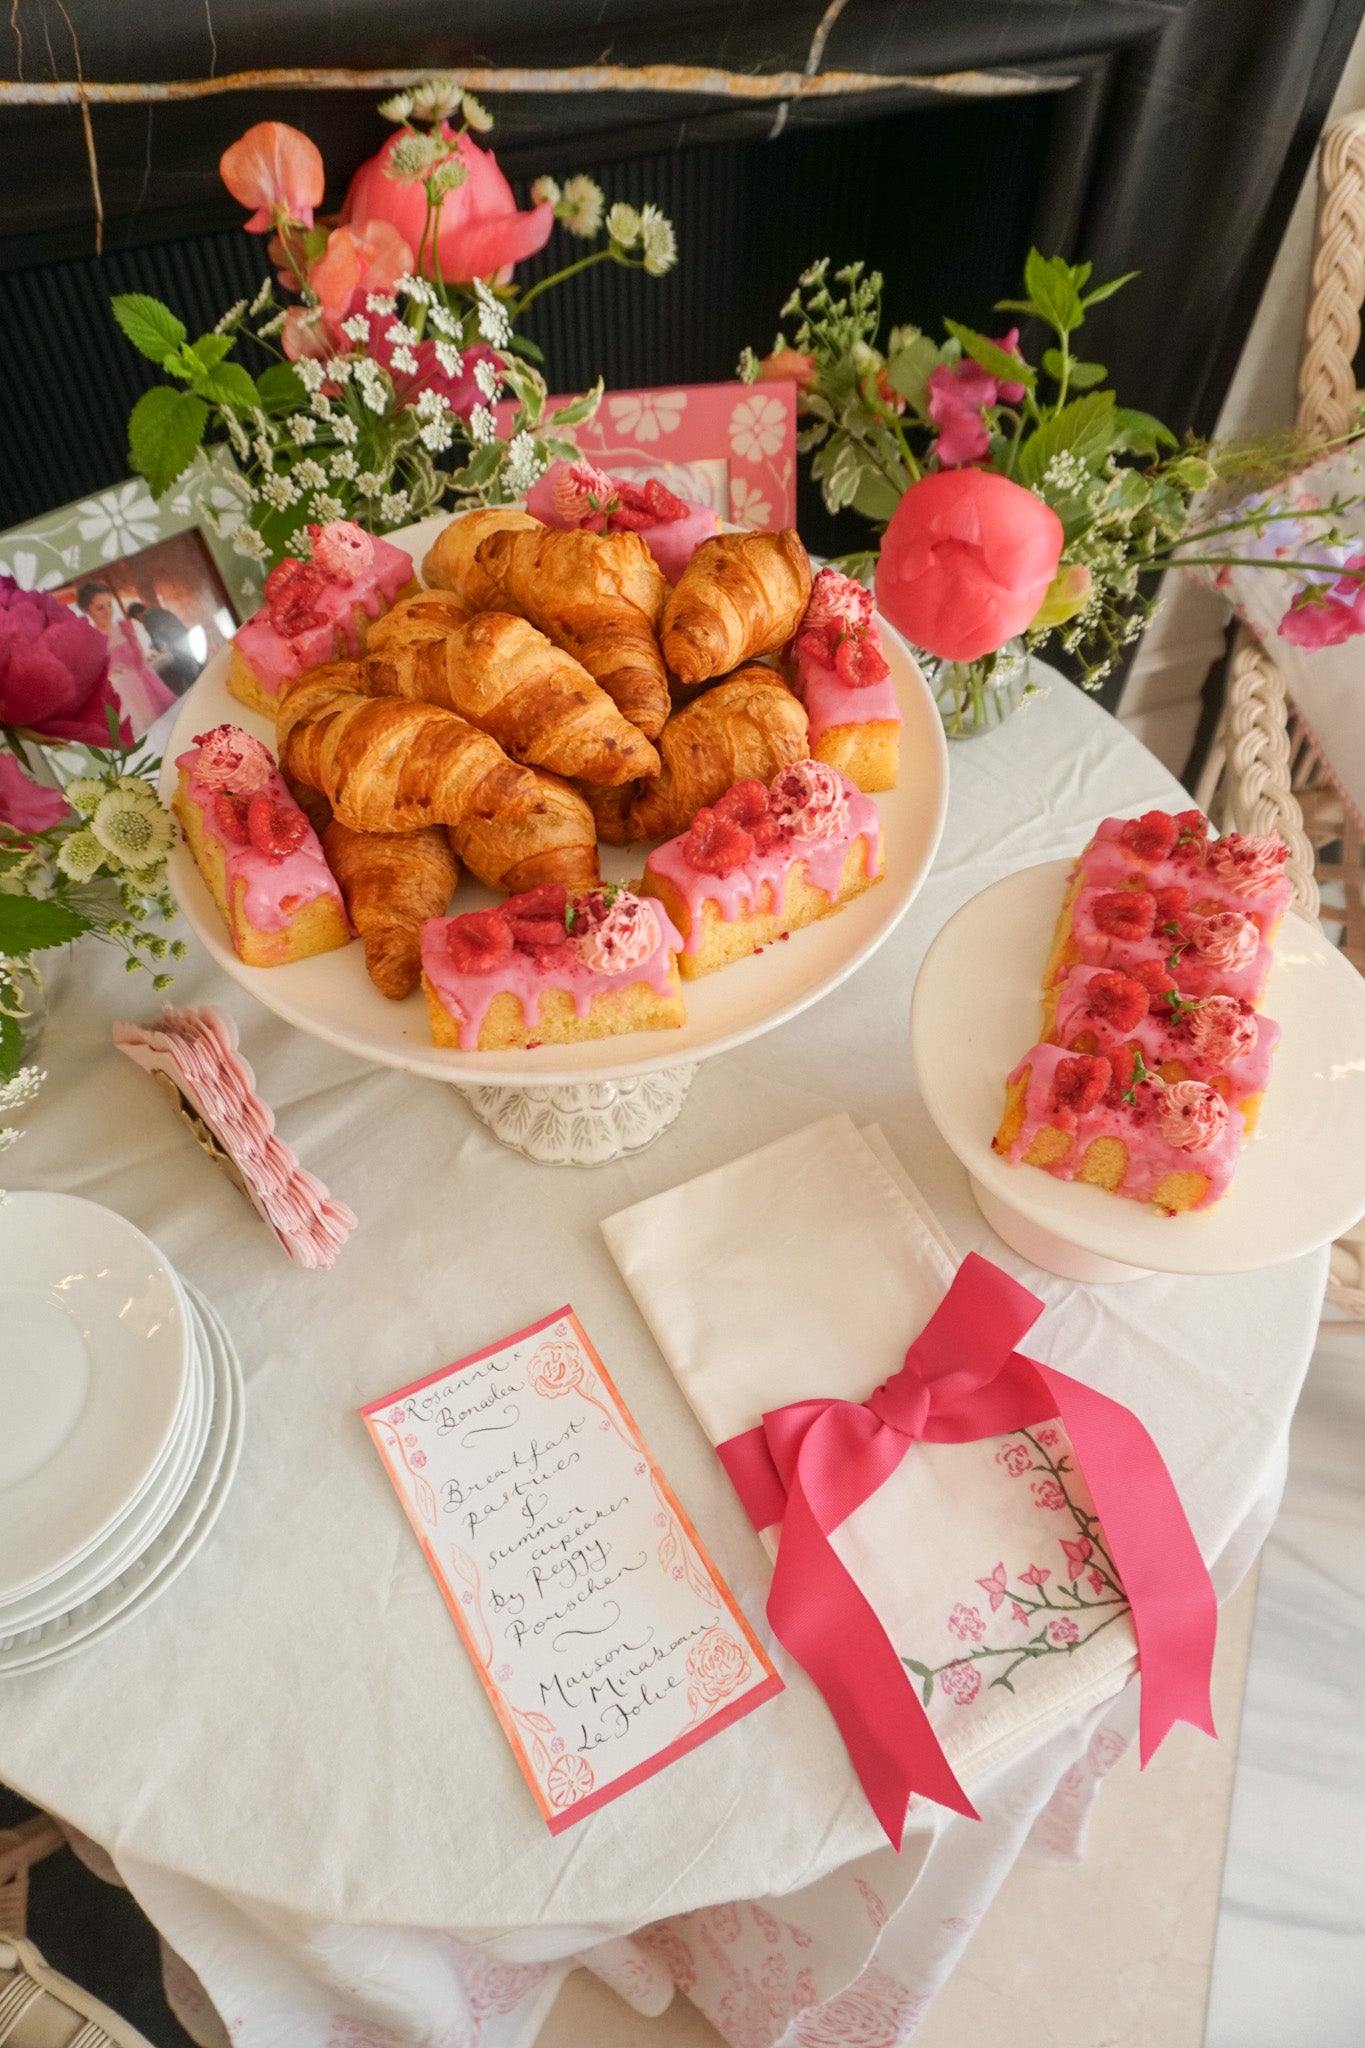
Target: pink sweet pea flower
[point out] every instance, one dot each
(1324, 618)
(26, 805)
(481, 233)
(995, 1586)
(787, 365)
(956, 402)
(276, 170)
(1076, 1555)
(54, 670)
(1008, 389)
(370, 257)
(966, 561)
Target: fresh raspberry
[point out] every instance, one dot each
(630, 519)
(547, 899)
(663, 503)
(1155, 977)
(1125, 913)
(1152, 836)
(1123, 1066)
(1192, 828)
(479, 941)
(1079, 1083)
(275, 829)
(291, 592)
(716, 845)
(747, 805)
(538, 935)
(642, 505)
(229, 815)
(1119, 1000)
(1171, 903)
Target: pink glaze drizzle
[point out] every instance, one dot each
(1107, 864)
(275, 889)
(273, 659)
(1163, 1037)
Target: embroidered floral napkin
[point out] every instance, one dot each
(806, 1269)
(193, 1056)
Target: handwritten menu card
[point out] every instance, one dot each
(604, 1635)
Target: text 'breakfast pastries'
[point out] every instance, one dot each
(1155, 1060)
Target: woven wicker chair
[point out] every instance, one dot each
(1264, 773)
(20, 1849)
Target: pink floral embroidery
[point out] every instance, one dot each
(996, 1587)
(876, 2011)
(569, 1779)
(1063, 1630)
(1095, 1580)
(967, 1624)
(664, 1942)
(1016, 1458)
(398, 1416)
(1049, 1436)
(1107, 1747)
(417, 1459)
(961, 1682)
(1048, 1494)
(1076, 1555)
(1034, 1576)
(876, 1911)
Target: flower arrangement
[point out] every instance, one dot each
(1017, 503)
(395, 339)
(83, 853)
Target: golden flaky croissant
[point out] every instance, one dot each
(750, 724)
(450, 563)
(390, 882)
(741, 594)
(600, 597)
(497, 671)
(388, 765)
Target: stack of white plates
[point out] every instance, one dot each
(121, 1412)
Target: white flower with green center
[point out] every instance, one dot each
(84, 794)
(660, 242)
(546, 188)
(476, 114)
(453, 173)
(412, 158)
(435, 99)
(132, 827)
(580, 206)
(623, 225)
(81, 856)
(397, 107)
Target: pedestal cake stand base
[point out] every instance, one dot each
(1044, 1248)
(587, 1123)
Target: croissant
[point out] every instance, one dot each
(741, 594)
(749, 725)
(390, 882)
(387, 765)
(450, 563)
(599, 596)
(503, 676)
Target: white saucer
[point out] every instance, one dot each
(94, 1358)
(168, 1554)
(1301, 1179)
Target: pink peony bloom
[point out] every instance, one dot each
(54, 670)
(961, 1682)
(966, 561)
(25, 805)
(787, 365)
(481, 233)
(276, 170)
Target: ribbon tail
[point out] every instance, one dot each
(819, 1614)
(1175, 1609)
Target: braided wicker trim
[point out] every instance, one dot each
(1327, 385)
(1260, 794)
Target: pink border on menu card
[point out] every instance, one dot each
(557, 1820)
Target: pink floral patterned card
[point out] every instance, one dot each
(603, 1634)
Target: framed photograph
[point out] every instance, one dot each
(157, 578)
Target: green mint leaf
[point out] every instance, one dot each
(229, 384)
(280, 390)
(910, 369)
(11, 1047)
(151, 327)
(1085, 429)
(30, 924)
(165, 430)
(1084, 376)
(998, 361)
(570, 917)
(210, 349)
(1105, 291)
(1139, 433)
(610, 892)
(1052, 289)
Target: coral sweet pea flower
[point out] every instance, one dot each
(785, 365)
(276, 170)
(966, 561)
(481, 232)
(368, 257)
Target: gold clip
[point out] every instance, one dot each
(204, 1135)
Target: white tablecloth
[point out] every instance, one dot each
(289, 1757)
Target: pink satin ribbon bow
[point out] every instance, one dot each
(809, 1465)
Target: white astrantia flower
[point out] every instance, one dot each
(476, 114)
(263, 297)
(435, 99)
(453, 173)
(405, 362)
(449, 358)
(246, 541)
(310, 474)
(310, 373)
(436, 435)
(543, 189)
(524, 465)
(324, 506)
(394, 507)
(230, 318)
(132, 827)
(345, 429)
(411, 158)
(397, 107)
(580, 206)
(623, 225)
(357, 328)
(81, 856)
(343, 464)
(21, 1088)
(494, 325)
(482, 426)
(486, 377)
(83, 794)
(660, 242)
(379, 302)
(302, 428)
(369, 484)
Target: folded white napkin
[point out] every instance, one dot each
(806, 1269)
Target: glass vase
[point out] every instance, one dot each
(975, 696)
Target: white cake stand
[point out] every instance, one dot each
(1300, 1181)
(586, 1104)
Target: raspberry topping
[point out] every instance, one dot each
(839, 629)
(1125, 913)
(746, 804)
(229, 815)
(538, 935)
(291, 592)
(1193, 830)
(479, 941)
(810, 800)
(642, 505)
(547, 899)
(341, 550)
(1152, 836)
(1155, 977)
(275, 829)
(716, 845)
(1127, 1068)
(1079, 1083)
(1119, 1000)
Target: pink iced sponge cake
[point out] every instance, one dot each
(257, 851)
(842, 677)
(764, 861)
(316, 610)
(1154, 1059)
(550, 967)
(579, 494)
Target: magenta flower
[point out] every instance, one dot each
(995, 1586)
(1076, 1555)
(26, 805)
(1321, 617)
(961, 1682)
(1064, 1630)
(958, 398)
(967, 1623)
(1034, 1576)
(54, 670)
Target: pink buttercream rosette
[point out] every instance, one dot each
(198, 1050)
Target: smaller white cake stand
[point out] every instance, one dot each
(1300, 1181)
